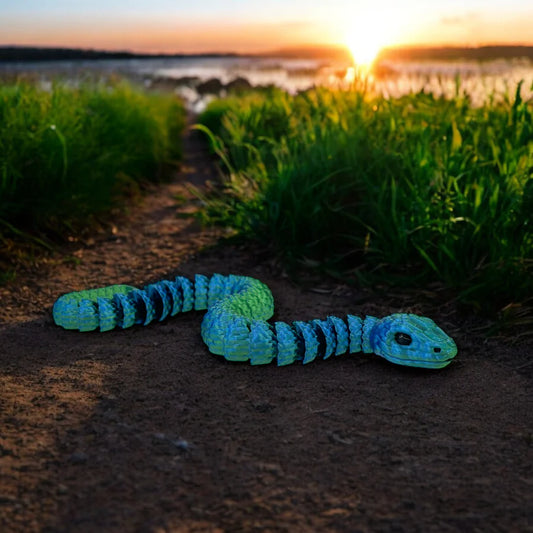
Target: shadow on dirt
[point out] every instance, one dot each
(144, 430)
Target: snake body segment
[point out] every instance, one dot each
(235, 325)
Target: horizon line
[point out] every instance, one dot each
(304, 47)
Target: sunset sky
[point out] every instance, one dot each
(255, 26)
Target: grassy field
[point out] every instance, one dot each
(68, 154)
(410, 190)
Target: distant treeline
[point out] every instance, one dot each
(23, 53)
(482, 53)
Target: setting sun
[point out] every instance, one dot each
(365, 35)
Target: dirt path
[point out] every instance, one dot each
(144, 430)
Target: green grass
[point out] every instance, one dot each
(68, 154)
(407, 190)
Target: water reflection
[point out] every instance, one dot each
(193, 78)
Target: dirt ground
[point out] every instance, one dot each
(145, 430)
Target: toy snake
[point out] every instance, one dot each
(235, 325)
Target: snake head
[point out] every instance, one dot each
(412, 340)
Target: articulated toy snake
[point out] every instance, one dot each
(235, 325)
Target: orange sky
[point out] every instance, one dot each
(252, 26)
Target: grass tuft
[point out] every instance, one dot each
(400, 191)
(70, 153)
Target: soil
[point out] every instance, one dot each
(145, 430)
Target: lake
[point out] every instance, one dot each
(184, 75)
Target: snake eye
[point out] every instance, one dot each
(403, 339)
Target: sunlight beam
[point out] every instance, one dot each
(366, 33)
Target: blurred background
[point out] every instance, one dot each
(201, 49)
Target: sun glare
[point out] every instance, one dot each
(365, 35)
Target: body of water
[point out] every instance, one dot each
(188, 76)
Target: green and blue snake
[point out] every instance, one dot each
(236, 323)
